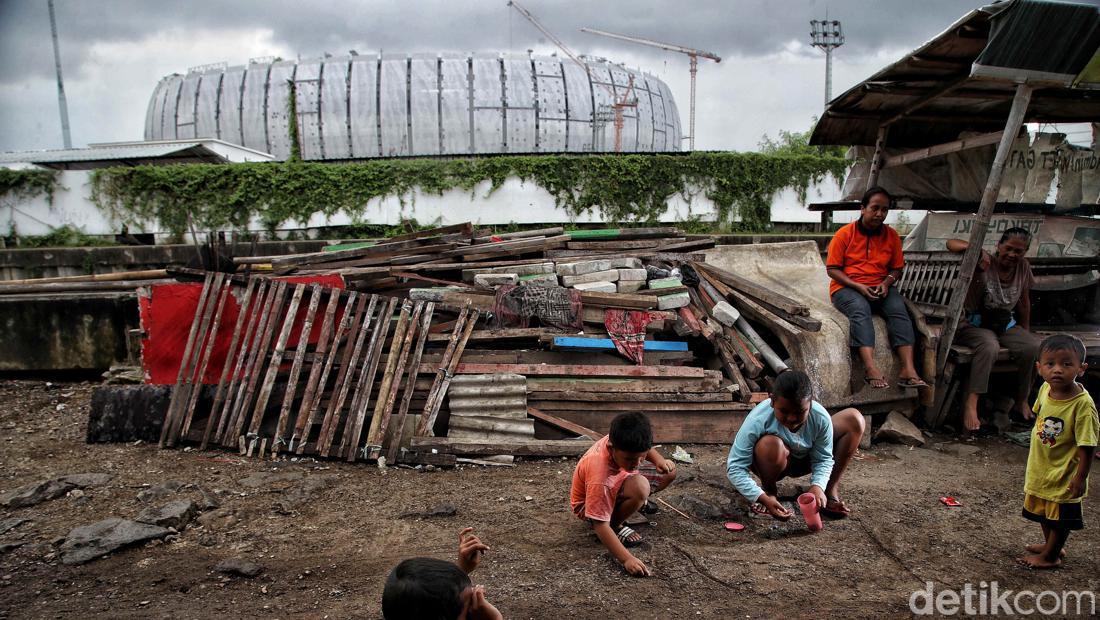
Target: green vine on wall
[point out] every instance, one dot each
(622, 188)
(23, 184)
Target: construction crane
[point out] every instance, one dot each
(693, 54)
(627, 100)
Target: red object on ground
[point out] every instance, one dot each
(734, 526)
(166, 316)
(950, 501)
(807, 503)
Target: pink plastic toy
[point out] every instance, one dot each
(807, 503)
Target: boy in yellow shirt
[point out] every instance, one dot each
(1062, 449)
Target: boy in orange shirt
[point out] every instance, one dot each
(608, 486)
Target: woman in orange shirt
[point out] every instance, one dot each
(864, 262)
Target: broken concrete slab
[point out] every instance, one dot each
(632, 275)
(899, 429)
(176, 514)
(432, 294)
(8, 525)
(45, 490)
(609, 275)
(159, 491)
(495, 279)
(583, 267)
(630, 287)
(239, 566)
(626, 262)
(671, 302)
(88, 542)
(597, 287)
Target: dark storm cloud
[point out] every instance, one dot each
(726, 27)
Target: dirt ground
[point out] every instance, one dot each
(327, 533)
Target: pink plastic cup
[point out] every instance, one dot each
(807, 503)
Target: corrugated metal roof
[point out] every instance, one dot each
(179, 151)
(964, 79)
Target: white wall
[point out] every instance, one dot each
(515, 201)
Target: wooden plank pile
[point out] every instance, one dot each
(364, 373)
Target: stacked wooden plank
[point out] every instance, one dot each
(365, 373)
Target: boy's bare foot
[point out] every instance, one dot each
(1037, 561)
(1038, 549)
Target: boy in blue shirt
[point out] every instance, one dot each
(791, 435)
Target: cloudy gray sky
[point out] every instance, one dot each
(770, 79)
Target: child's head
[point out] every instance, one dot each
(1061, 359)
(424, 588)
(791, 397)
(630, 439)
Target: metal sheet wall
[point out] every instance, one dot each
(185, 109)
(229, 106)
(519, 95)
(551, 105)
(278, 108)
(393, 92)
(307, 104)
(364, 107)
(424, 105)
(254, 109)
(359, 107)
(334, 110)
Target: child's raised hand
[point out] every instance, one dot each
(470, 549)
(477, 608)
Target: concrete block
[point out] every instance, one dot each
(665, 283)
(596, 287)
(583, 267)
(526, 270)
(725, 314)
(468, 274)
(495, 279)
(540, 279)
(611, 275)
(630, 287)
(631, 275)
(432, 294)
(671, 302)
(626, 262)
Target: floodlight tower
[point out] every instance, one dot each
(827, 35)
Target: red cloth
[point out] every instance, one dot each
(627, 331)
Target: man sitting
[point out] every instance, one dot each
(790, 435)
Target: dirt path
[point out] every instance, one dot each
(327, 533)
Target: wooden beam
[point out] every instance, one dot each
(1016, 118)
(579, 370)
(523, 234)
(563, 424)
(566, 447)
(465, 228)
(892, 161)
(928, 97)
(628, 397)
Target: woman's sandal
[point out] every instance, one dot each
(878, 383)
(628, 537)
(835, 508)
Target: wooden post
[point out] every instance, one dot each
(879, 157)
(391, 376)
(219, 396)
(410, 386)
(185, 361)
(296, 367)
(357, 416)
(981, 222)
